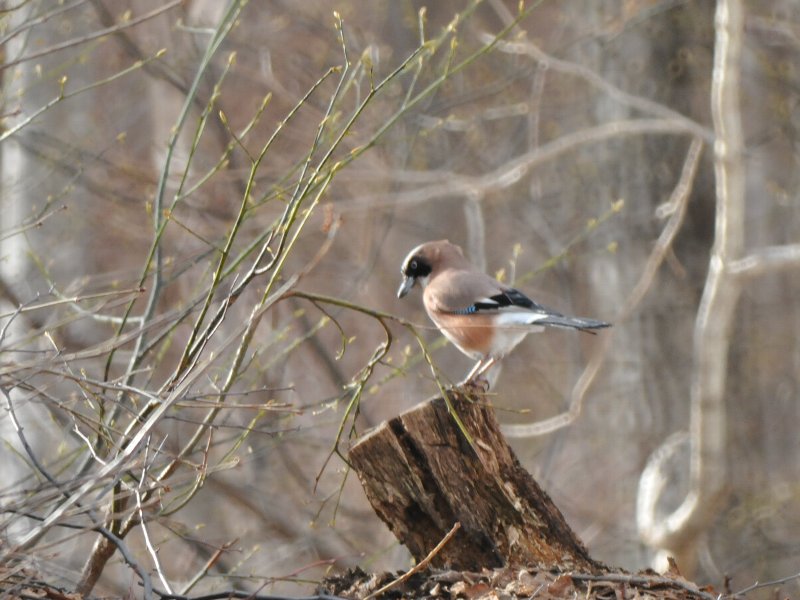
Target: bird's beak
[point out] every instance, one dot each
(405, 287)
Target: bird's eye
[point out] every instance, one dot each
(413, 265)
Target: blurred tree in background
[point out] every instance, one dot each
(204, 209)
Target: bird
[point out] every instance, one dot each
(481, 316)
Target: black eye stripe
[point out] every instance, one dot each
(417, 267)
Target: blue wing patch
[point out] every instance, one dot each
(470, 310)
(509, 298)
(514, 299)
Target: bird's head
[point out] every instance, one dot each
(426, 261)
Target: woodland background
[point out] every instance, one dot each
(204, 209)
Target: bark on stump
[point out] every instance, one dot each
(422, 476)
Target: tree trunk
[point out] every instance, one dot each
(422, 476)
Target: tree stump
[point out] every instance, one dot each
(422, 476)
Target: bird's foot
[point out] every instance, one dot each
(478, 384)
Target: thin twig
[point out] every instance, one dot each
(758, 585)
(92, 36)
(30, 23)
(421, 566)
(64, 95)
(127, 454)
(245, 595)
(645, 581)
(24, 441)
(72, 301)
(148, 543)
(207, 566)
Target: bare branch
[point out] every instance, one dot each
(645, 105)
(678, 202)
(511, 172)
(23, 440)
(422, 565)
(767, 260)
(28, 24)
(677, 533)
(760, 585)
(150, 548)
(647, 580)
(92, 36)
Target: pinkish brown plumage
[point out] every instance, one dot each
(484, 318)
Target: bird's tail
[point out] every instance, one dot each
(580, 323)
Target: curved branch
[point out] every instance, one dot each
(676, 207)
(591, 77)
(446, 185)
(678, 532)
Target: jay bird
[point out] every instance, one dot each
(482, 317)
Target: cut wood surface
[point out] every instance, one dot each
(421, 476)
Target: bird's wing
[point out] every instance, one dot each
(471, 293)
(511, 299)
(521, 309)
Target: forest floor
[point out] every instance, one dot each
(514, 583)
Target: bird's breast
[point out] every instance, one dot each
(472, 334)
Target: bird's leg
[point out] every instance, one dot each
(475, 377)
(486, 366)
(475, 371)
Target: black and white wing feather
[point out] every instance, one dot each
(516, 308)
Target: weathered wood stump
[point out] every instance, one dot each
(422, 476)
